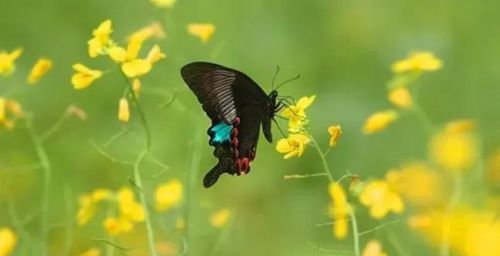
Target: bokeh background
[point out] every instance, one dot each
(342, 50)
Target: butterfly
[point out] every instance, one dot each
(238, 108)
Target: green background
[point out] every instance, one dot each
(341, 49)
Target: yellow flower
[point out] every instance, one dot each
(2, 109)
(202, 30)
(42, 66)
(100, 40)
(91, 252)
(455, 148)
(116, 226)
(136, 68)
(164, 3)
(87, 209)
(335, 132)
(400, 97)
(292, 146)
(123, 110)
(417, 184)
(136, 87)
(7, 65)
(101, 194)
(129, 208)
(338, 210)
(378, 121)
(168, 195)
(155, 54)
(220, 218)
(152, 30)
(8, 241)
(296, 114)
(417, 62)
(116, 53)
(373, 248)
(84, 76)
(471, 232)
(381, 200)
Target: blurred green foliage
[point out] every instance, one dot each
(341, 49)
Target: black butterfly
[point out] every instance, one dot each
(237, 107)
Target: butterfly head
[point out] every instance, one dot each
(274, 105)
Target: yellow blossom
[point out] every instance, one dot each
(87, 209)
(136, 87)
(335, 132)
(100, 40)
(8, 241)
(417, 62)
(136, 68)
(220, 218)
(373, 248)
(168, 195)
(14, 107)
(400, 97)
(204, 31)
(116, 226)
(130, 209)
(455, 147)
(296, 114)
(292, 146)
(2, 109)
(378, 121)
(101, 194)
(42, 66)
(418, 184)
(164, 3)
(91, 252)
(152, 30)
(338, 210)
(84, 76)
(7, 65)
(471, 232)
(155, 54)
(123, 110)
(117, 53)
(378, 196)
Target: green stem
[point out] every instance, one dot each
(47, 173)
(137, 173)
(352, 215)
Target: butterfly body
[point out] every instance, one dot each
(238, 108)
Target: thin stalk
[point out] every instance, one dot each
(352, 215)
(137, 173)
(47, 174)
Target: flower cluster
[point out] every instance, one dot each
(406, 72)
(8, 241)
(122, 201)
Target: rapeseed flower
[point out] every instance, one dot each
(296, 114)
(293, 146)
(455, 147)
(335, 132)
(8, 241)
(373, 248)
(220, 218)
(84, 76)
(10, 111)
(204, 31)
(338, 210)
(41, 67)
(101, 39)
(417, 62)
(7, 61)
(378, 121)
(92, 252)
(381, 199)
(123, 110)
(169, 195)
(400, 97)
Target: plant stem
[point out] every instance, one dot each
(354, 222)
(137, 173)
(47, 174)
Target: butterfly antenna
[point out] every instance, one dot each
(274, 76)
(287, 81)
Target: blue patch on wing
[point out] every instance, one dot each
(220, 133)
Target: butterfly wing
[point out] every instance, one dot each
(237, 106)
